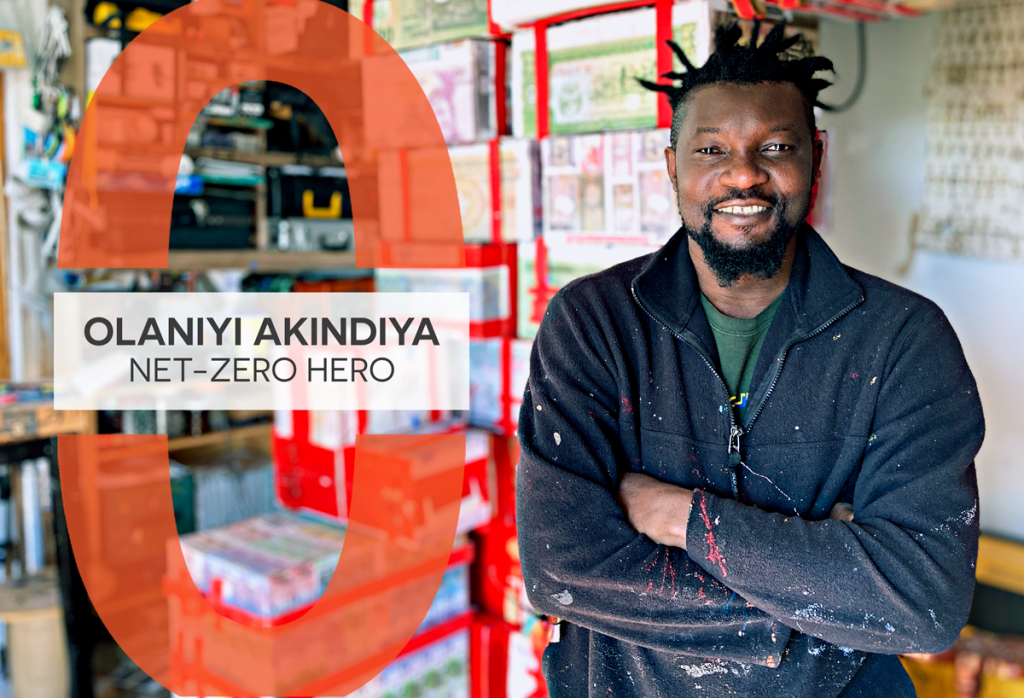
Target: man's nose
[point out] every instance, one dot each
(743, 171)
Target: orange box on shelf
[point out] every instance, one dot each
(314, 454)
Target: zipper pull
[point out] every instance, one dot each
(735, 456)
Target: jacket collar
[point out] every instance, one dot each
(819, 289)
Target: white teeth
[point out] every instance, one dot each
(743, 210)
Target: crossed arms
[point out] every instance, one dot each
(620, 555)
(661, 511)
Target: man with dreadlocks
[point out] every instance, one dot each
(746, 468)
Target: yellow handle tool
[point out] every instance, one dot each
(311, 211)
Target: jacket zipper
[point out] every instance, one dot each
(736, 431)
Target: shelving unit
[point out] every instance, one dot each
(28, 430)
(228, 438)
(269, 158)
(261, 256)
(258, 260)
(35, 421)
(192, 619)
(121, 465)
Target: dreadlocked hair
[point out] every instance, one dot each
(744, 65)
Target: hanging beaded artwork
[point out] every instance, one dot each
(974, 195)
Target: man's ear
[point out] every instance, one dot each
(670, 163)
(818, 157)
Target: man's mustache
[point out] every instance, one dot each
(740, 195)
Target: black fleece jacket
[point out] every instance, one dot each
(861, 394)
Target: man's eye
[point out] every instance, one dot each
(710, 150)
(778, 147)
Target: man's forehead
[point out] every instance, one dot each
(777, 106)
(775, 128)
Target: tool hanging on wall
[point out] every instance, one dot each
(54, 47)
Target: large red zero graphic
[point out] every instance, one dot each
(116, 489)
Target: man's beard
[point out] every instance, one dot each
(762, 260)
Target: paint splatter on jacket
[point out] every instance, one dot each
(861, 394)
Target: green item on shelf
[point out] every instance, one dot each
(457, 19)
(183, 498)
(409, 24)
(236, 180)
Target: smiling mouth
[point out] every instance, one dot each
(743, 210)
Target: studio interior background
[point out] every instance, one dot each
(557, 157)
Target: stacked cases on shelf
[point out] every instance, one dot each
(270, 570)
(489, 278)
(517, 203)
(608, 188)
(267, 569)
(548, 264)
(464, 82)
(509, 637)
(413, 23)
(498, 370)
(592, 66)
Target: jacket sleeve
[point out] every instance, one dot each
(582, 562)
(900, 576)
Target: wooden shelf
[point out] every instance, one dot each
(258, 260)
(221, 438)
(265, 158)
(251, 123)
(1001, 564)
(30, 421)
(251, 259)
(30, 598)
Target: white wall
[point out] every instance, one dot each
(878, 150)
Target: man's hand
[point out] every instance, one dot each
(656, 509)
(841, 512)
(660, 510)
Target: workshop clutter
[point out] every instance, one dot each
(544, 212)
(229, 487)
(309, 208)
(265, 566)
(509, 636)
(359, 620)
(441, 667)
